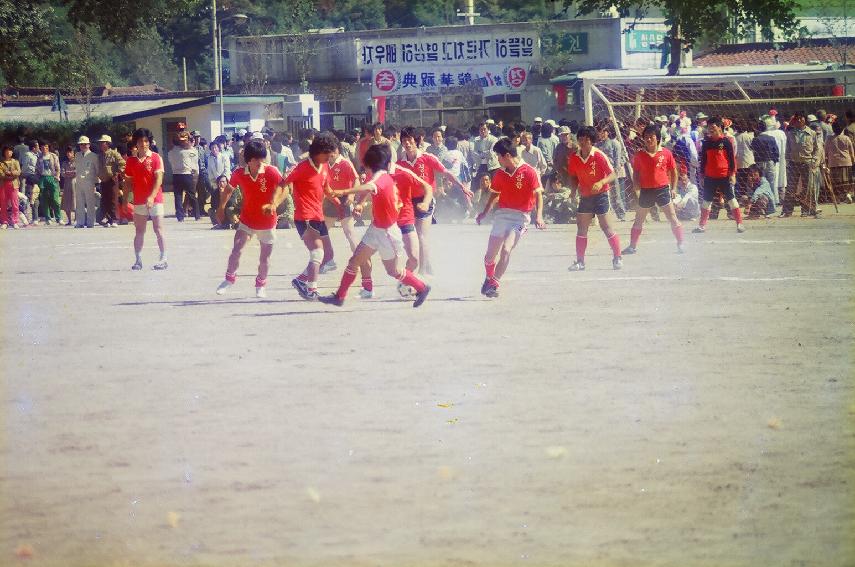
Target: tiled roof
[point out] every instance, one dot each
(822, 50)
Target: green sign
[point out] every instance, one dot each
(644, 41)
(572, 43)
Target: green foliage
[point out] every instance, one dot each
(61, 134)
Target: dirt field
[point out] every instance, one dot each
(692, 410)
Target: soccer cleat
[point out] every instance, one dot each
(331, 300)
(311, 295)
(328, 267)
(366, 294)
(699, 230)
(577, 267)
(137, 265)
(628, 250)
(162, 265)
(740, 227)
(300, 286)
(680, 249)
(4, 226)
(617, 263)
(260, 292)
(224, 287)
(492, 291)
(485, 286)
(421, 296)
(405, 291)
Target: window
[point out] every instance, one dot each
(330, 106)
(236, 119)
(502, 99)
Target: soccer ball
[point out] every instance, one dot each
(407, 292)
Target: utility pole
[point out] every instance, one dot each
(470, 12)
(215, 43)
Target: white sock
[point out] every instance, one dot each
(312, 285)
(139, 256)
(163, 256)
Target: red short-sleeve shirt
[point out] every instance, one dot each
(142, 173)
(342, 174)
(257, 193)
(518, 189)
(406, 180)
(309, 182)
(654, 170)
(425, 166)
(589, 171)
(385, 202)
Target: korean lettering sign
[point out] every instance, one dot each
(448, 50)
(644, 41)
(493, 79)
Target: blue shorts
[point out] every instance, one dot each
(318, 226)
(595, 204)
(649, 197)
(419, 213)
(407, 228)
(712, 185)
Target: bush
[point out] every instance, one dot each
(61, 134)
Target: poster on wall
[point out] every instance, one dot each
(478, 49)
(493, 79)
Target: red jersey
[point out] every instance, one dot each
(517, 190)
(142, 173)
(407, 181)
(309, 183)
(385, 202)
(257, 193)
(717, 159)
(425, 166)
(342, 174)
(654, 171)
(588, 171)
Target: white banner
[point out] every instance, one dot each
(501, 48)
(493, 79)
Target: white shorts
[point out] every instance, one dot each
(506, 221)
(264, 236)
(387, 241)
(156, 211)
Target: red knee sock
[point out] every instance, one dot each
(614, 242)
(303, 277)
(634, 235)
(231, 278)
(260, 282)
(737, 214)
(347, 279)
(581, 246)
(367, 284)
(705, 216)
(490, 268)
(409, 279)
(678, 233)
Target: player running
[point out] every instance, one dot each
(144, 176)
(594, 172)
(654, 173)
(261, 185)
(383, 235)
(517, 188)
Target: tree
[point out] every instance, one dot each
(25, 31)
(690, 21)
(121, 20)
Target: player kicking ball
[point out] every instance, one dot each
(383, 235)
(263, 189)
(517, 187)
(594, 172)
(654, 172)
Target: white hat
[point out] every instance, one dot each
(257, 136)
(538, 119)
(661, 118)
(812, 118)
(242, 132)
(552, 122)
(83, 140)
(105, 138)
(489, 121)
(700, 116)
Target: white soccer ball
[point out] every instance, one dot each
(407, 292)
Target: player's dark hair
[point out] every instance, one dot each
(6, 147)
(32, 144)
(141, 133)
(754, 168)
(715, 121)
(451, 143)
(377, 157)
(837, 127)
(546, 130)
(505, 147)
(587, 132)
(254, 149)
(323, 143)
(651, 129)
(417, 134)
(376, 126)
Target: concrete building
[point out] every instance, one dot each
(454, 75)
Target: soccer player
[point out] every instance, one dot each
(718, 167)
(408, 182)
(591, 167)
(310, 181)
(516, 186)
(144, 176)
(261, 185)
(342, 176)
(383, 235)
(427, 167)
(654, 173)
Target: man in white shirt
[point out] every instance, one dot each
(485, 157)
(532, 155)
(86, 177)
(184, 161)
(780, 137)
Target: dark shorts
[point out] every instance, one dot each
(594, 205)
(419, 213)
(318, 226)
(713, 185)
(407, 228)
(649, 197)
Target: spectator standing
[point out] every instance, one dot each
(744, 158)
(31, 179)
(766, 157)
(803, 160)
(111, 164)
(67, 173)
(614, 152)
(85, 197)
(10, 173)
(770, 123)
(532, 155)
(486, 160)
(48, 172)
(184, 161)
(827, 130)
(21, 149)
(840, 156)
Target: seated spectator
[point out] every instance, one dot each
(762, 199)
(686, 203)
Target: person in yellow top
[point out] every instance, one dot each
(10, 172)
